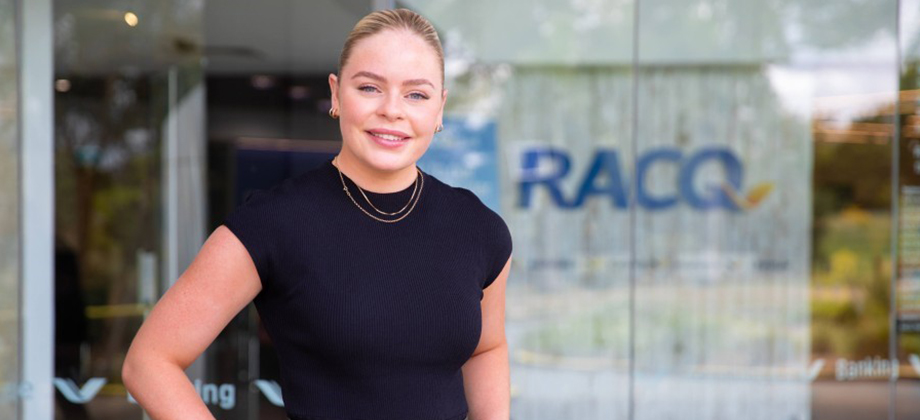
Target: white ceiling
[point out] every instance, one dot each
(277, 36)
(234, 36)
(304, 37)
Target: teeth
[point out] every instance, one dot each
(388, 137)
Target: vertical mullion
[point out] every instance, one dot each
(36, 115)
(631, 395)
(895, 221)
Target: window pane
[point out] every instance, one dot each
(128, 194)
(907, 285)
(764, 225)
(540, 126)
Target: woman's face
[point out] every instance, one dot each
(390, 99)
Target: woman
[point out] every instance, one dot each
(383, 289)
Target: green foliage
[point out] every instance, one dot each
(851, 289)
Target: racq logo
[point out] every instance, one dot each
(546, 167)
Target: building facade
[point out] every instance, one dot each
(712, 202)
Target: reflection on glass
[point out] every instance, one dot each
(741, 104)
(735, 181)
(9, 214)
(722, 238)
(852, 127)
(539, 126)
(122, 90)
(907, 283)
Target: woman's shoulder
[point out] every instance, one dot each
(496, 243)
(459, 197)
(465, 202)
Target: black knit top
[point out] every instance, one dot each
(371, 320)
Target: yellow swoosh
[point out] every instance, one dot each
(754, 197)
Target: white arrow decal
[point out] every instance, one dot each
(79, 395)
(815, 369)
(271, 390)
(915, 362)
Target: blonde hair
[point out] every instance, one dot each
(397, 19)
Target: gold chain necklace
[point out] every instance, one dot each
(420, 186)
(414, 189)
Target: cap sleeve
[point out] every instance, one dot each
(498, 247)
(250, 222)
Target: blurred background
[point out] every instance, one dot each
(715, 204)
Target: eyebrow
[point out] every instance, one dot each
(379, 78)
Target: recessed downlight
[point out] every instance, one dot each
(131, 19)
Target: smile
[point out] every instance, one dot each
(388, 139)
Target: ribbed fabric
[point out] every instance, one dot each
(371, 320)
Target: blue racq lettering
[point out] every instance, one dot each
(643, 197)
(603, 178)
(547, 167)
(715, 196)
(531, 177)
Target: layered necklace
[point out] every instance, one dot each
(410, 205)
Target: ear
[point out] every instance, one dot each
(334, 90)
(443, 104)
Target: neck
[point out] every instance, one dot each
(372, 179)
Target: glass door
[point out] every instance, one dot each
(129, 110)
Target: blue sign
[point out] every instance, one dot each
(464, 155)
(546, 167)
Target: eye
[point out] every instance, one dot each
(418, 96)
(367, 88)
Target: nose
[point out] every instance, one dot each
(391, 107)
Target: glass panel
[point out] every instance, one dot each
(9, 214)
(267, 101)
(540, 127)
(128, 86)
(750, 206)
(854, 75)
(907, 290)
(751, 283)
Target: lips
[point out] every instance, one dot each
(388, 138)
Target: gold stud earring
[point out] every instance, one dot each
(334, 113)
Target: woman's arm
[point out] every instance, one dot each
(219, 283)
(486, 379)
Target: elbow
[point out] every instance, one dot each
(129, 371)
(136, 368)
(142, 366)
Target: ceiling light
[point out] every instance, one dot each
(62, 85)
(131, 19)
